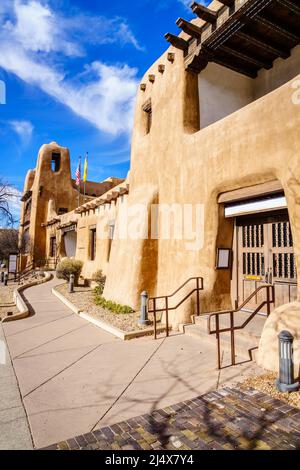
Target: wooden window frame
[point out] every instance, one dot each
(93, 243)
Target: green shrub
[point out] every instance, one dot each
(100, 279)
(109, 304)
(67, 267)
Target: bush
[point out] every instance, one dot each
(109, 305)
(100, 279)
(67, 267)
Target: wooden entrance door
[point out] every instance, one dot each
(266, 256)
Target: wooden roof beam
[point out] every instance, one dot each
(204, 13)
(218, 58)
(276, 28)
(290, 5)
(177, 42)
(262, 44)
(227, 3)
(247, 58)
(189, 28)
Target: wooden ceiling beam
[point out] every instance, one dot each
(256, 62)
(218, 58)
(278, 29)
(290, 5)
(204, 13)
(177, 42)
(227, 3)
(189, 28)
(263, 44)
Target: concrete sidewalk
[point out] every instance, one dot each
(75, 378)
(14, 427)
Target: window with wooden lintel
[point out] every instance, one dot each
(52, 247)
(55, 162)
(147, 109)
(111, 237)
(93, 243)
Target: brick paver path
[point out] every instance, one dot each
(228, 419)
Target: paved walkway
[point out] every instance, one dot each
(230, 419)
(14, 428)
(75, 378)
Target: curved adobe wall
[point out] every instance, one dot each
(258, 143)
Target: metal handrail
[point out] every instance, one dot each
(270, 299)
(199, 287)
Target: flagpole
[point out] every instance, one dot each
(79, 180)
(85, 172)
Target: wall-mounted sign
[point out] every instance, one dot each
(253, 278)
(223, 258)
(12, 263)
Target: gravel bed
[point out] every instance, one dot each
(83, 300)
(6, 300)
(266, 383)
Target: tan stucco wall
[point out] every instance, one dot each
(175, 164)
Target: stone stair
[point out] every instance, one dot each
(246, 340)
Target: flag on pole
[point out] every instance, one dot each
(78, 173)
(85, 171)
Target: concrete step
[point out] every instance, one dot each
(244, 345)
(252, 331)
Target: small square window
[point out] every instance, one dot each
(62, 210)
(147, 108)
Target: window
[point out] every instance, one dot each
(111, 237)
(53, 247)
(55, 162)
(62, 211)
(93, 243)
(147, 108)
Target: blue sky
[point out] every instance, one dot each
(71, 69)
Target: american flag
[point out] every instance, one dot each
(78, 173)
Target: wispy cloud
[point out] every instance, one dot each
(188, 3)
(36, 41)
(24, 129)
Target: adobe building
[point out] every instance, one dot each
(50, 192)
(216, 126)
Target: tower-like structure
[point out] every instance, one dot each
(49, 191)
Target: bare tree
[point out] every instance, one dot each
(8, 242)
(7, 195)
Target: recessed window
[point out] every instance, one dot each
(147, 109)
(111, 237)
(93, 243)
(55, 162)
(62, 210)
(53, 247)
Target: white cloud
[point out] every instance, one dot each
(103, 95)
(23, 128)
